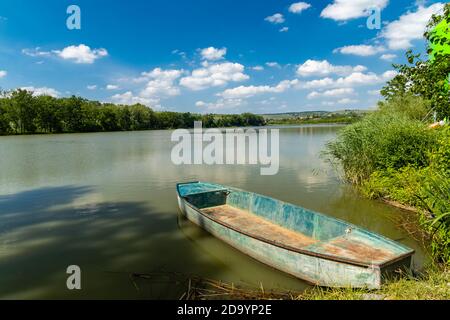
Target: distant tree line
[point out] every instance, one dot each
(21, 112)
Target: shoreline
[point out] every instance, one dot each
(274, 126)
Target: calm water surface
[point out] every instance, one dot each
(107, 202)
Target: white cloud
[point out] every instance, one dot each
(319, 83)
(42, 91)
(214, 75)
(92, 87)
(258, 68)
(388, 56)
(347, 101)
(212, 53)
(157, 84)
(352, 80)
(361, 50)
(315, 67)
(313, 95)
(161, 83)
(374, 92)
(243, 92)
(36, 52)
(332, 93)
(128, 98)
(221, 104)
(112, 87)
(3, 73)
(362, 79)
(410, 26)
(81, 54)
(388, 75)
(338, 92)
(277, 18)
(284, 29)
(273, 64)
(341, 10)
(358, 78)
(298, 7)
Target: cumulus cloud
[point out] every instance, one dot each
(161, 83)
(244, 92)
(315, 67)
(284, 29)
(277, 18)
(388, 56)
(81, 54)
(112, 87)
(157, 84)
(212, 53)
(42, 91)
(361, 50)
(347, 101)
(331, 93)
(221, 104)
(341, 10)
(361, 79)
(92, 87)
(410, 26)
(3, 73)
(214, 75)
(128, 98)
(358, 78)
(298, 7)
(318, 83)
(352, 80)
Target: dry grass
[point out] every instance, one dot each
(434, 284)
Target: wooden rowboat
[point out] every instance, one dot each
(317, 248)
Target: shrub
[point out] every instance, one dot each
(440, 156)
(404, 185)
(413, 107)
(381, 141)
(437, 200)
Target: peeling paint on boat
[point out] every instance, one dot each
(309, 245)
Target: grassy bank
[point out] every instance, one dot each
(434, 284)
(392, 155)
(397, 154)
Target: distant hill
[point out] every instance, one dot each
(314, 114)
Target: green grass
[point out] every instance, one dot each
(433, 285)
(391, 154)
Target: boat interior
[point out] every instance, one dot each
(293, 228)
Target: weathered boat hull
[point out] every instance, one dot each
(314, 269)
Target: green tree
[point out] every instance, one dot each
(22, 111)
(48, 118)
(427, 78)
(4, 116)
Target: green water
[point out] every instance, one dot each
(107, 203)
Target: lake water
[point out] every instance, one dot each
(107, 203)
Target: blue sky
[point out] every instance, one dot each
(211, 56)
